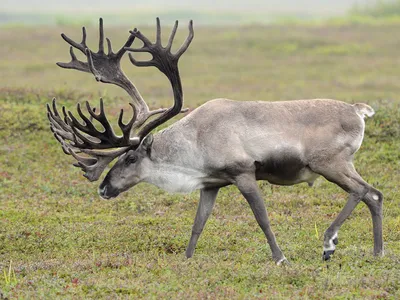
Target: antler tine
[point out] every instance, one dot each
(158, 33)
(82, 46)
(55, 128)
(126, 128)
(187, 42)
(89, 125)
(128, 43)
(172, 36)
(102, 118)
(74, 63)
(146, 42)
(83, 161)
(54, 115)
(61, 130)
(83, 43)
(64, 145)
(88, 128)
(109, 47)
(149, 63)
(101, 37)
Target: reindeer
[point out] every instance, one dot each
(222, 142)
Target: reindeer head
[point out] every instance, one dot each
(130, 169)
(94, 149)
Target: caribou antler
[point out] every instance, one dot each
(107, 68)
(167, 63)
(76, 137)
(71, 129)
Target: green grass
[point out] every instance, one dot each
(62, 241)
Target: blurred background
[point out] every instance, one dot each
(59, 240)
(259, 38)
(207, 12)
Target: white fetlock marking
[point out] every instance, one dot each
(332, 246)
(281, 261)
(375, 197)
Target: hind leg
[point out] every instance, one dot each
(331, 234)
(374, 200)
(344, 175)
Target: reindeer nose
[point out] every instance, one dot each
(102, 192)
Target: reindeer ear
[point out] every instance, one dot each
(147, 142)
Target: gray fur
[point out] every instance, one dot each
(226, 142)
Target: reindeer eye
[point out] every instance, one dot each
(131, 160)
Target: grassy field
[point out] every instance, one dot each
(58, 239)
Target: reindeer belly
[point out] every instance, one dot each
(284, 170)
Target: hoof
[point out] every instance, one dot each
(189, 254)
(283, 262)
(327, 254)
(379, 253)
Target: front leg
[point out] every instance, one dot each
(206, 204)
(247, 185)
